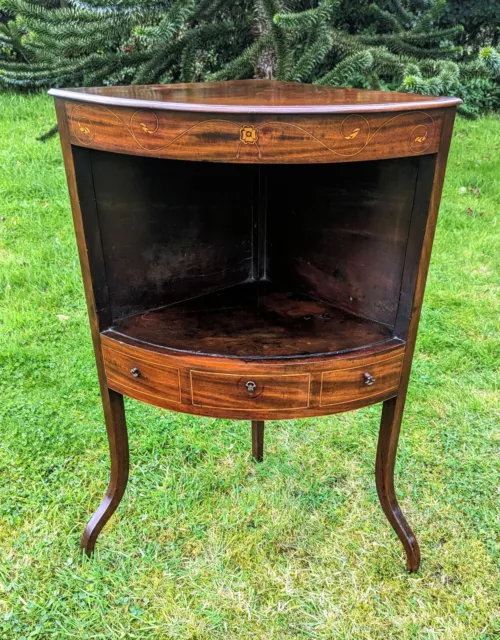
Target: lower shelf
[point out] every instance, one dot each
(253, 321)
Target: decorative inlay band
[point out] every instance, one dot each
(83, 128)
(418, 137)
(144, 126)
(249, 135)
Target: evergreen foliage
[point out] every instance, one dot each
(482, 18)
(396, 45)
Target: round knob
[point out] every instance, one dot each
(369, 379)
(135, 372)
(251, 386)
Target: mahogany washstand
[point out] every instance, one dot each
(254, 250)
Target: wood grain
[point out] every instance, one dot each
(253, 320)
(127, 372)
(251, 393)
(370, 381)
(240, 289)
(217, 386)
(255, 96)
(254, 139)
(95, 292)
(392, 413)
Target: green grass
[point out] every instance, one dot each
(207, 544)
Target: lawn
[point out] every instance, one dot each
(206, 544)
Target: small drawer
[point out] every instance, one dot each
(375, 379)
(240, 393)
(139, 378)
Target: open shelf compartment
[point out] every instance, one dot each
(251, 261)
(253, 320)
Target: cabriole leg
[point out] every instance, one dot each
(390, 424)
(258, 440)
(116, 427)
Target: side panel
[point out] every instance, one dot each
(341, 231)
(170, 229)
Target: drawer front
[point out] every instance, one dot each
(375, 380)
(140, 378)
(240, 393)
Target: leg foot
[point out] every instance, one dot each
(114, 414)
(258, 440)
(384, 473)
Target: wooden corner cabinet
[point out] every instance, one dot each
(254, 250)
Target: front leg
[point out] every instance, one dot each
(114, 414)
(390, 425)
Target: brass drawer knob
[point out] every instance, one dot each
(251, 386)
(135, 372)
(369, 379)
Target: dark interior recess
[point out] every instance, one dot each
(252, 261)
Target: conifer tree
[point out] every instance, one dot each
(96, 42)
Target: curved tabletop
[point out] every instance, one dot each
(254, 121)
(255, 96)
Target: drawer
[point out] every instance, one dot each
(140, 378)
(240, 393)
(375, 380)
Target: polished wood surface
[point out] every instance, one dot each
(254, 138)
(227, 276)
(254, 321)
(370, 381)
(255, 96)
(126, 371)
(251, 394)
(239, 388)
(112, 402)
(392, 413)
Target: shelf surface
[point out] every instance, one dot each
(253, 321)
(255, 96)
